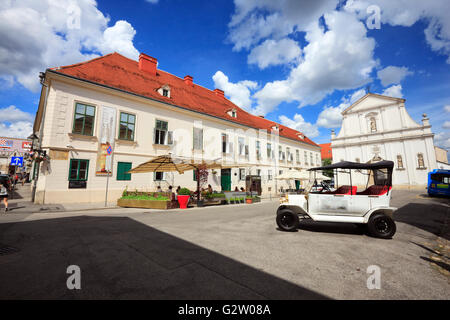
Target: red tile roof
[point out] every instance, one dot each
(116, 71)
(326, 152)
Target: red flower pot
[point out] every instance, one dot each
(183, 201)
(248, 200)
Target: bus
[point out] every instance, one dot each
(439, 182)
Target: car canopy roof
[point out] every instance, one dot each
(385, 164)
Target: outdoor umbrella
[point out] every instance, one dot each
(169, 163)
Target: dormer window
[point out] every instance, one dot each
(301, 136)
(275, 128)
(164, 91)
(232, 113)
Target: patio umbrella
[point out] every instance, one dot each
(169, 163)
(293, 175)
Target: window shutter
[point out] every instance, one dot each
(170, 137)
(246, 150)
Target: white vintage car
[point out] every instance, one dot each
(369, 208)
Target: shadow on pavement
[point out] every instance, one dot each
(331, 227)
(429, 217)
(441, 264)
(120, 258)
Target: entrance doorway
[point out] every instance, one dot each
(225, 179)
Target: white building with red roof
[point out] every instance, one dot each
(138, 111)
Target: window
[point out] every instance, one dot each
(269, 151)
(161, 134)
(241, 146)
(198, 139)
(84, 119)
(297, 156)
(241, 174)
(281, 154)
(165, 92)
(373, 124)
(306, 158)
(258, 172)
(311, 158)
(79, 169)
(420, 161)
(280, 172)
(269, 175)
(225, 144)
(194, 174)
(258, 150)
(357, 160)
(233, 113)
(317, 160)
(399, 162)
(126, 128)
(122, 169)
(288, 152)
(158, 176)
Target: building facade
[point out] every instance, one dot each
(377, 128)
(98, 119)
(14, 147)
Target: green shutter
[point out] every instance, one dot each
(122, 168)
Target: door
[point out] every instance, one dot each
(225, 179)
(297, 184)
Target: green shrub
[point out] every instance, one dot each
(217, 195)
(184, 192)
(145, 197)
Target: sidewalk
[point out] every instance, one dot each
(20, 202)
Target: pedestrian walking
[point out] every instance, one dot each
(4, 193)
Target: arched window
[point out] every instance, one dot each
(373, 124)
(399, 162)
(420, 162)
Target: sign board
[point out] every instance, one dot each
(109, 150)
(17, 161)
(6, 144)
(106, 141)
(26, 145)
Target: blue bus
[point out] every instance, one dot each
(439, 182)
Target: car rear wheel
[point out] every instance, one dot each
(381, 226)
(287, 220)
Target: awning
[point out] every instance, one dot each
(356, 165)
(168, 163)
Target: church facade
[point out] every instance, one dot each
(378, 128)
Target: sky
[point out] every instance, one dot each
(296, 62)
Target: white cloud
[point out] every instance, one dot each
(299, 124)
(442, 140)
(331, 117)
(392, 74)
(35, 35)
(407, 12)
(255, 20)
(339, 58)
(394, 91)
(447, 108)
(152, 1)
(239, 93)
(13, 114)
(273, 52)
(20, 129)
(446, 125)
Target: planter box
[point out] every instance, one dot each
(147, 204)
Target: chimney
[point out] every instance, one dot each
(188, 80)
(219, 92)
(147, 64)
(333, 134)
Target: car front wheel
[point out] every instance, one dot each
(381, 226)
(287, 220)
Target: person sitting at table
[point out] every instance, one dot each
(158, 189)
(236, 189)
(210, 189)
(242, 189)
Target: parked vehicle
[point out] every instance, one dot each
(369, 208)
(439, 182)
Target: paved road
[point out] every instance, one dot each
(226, 252)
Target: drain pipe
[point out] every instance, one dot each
(41, 132)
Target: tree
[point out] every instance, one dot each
(328, 173)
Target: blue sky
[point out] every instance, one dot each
(296, 62)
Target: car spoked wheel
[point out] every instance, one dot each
(287, 220)
(381, 226)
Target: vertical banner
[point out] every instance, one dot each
(106, 141)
